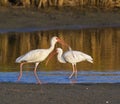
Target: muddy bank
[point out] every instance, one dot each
(12, 93)
(20, 19)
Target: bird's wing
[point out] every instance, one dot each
(82, 57)
(77, 57)
(33, 56)
(72, 57)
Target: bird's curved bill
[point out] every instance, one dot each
(50, 56)
(62, 42)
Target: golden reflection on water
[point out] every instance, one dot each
(102, 44)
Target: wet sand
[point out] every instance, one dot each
(13, 93)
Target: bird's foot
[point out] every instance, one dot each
(39, 83)
(70, 77)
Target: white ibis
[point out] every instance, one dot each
(37, 56)
(72, 57)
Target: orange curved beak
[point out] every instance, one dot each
(50, 56)
(62, 42)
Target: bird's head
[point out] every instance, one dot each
(55, 39)
(59, 50)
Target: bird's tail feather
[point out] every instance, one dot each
(18, 60)
(91, 61)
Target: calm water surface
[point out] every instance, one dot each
(102, 44)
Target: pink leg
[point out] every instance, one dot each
(75, 71)
(36, 76)
(20, 75)
(73, 66)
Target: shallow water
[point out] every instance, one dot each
(102, 44)
(61, 77)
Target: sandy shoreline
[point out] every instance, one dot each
(12, 93)
(20, 19)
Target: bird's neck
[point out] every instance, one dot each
(61, 58)
(52, 46)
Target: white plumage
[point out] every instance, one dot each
(72, 57)
(37, 56)
(76, 56)
(32, 56)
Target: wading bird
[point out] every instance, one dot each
(37, 56)
(72, 57)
